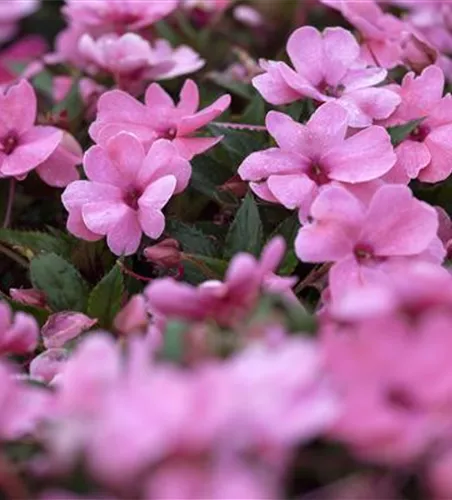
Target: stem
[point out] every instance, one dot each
(200, 265)
(9, 206)
(312, 277)
(129, 272)
(13, 256)
(240, 126)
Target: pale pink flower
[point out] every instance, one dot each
(11, 13)
(360, 239)
(225, 302)
(125, 192)
(47, 365)
(64, 326)
(119, 16)
(133, 317)
(311, 156)
(19, 333)
(427, 153)
(158, 118)
(23, 145)
(328, 68)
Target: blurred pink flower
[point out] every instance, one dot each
(19, 333)
(158, 118)
(133, 317)
(125, 192)
(314, 155)
(64, 326)
(328, 68)
(23, 145)
(47, 365)
(11, 13)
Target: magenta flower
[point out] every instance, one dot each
(225, 302)
(314, 155)
(125, 192)
(23, 145)
(361, 239)
(427, 153)
(19, 333)
(328, 68)
(158, 118)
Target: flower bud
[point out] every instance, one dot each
(166, 253)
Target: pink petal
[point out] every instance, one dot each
(288, 134)
(362, 78)
(76, 226)
(242, 275)
(35, 146)
(272, 86)
(101, 216)
(152, 223)
(81, 192)
(300, 84)
(190, 124)
(63, 327)
(260, 165)
(162, 160)
(18, 107)
(124, 237)
(439, 145)
(412, 157)
(48, 364)
(189, 98)
(399, 224)
(261, 189)
(189, 147)
(157, 194)
(127, 152)
(338, 204)
(156, 96)
(327, 127)
(272, 254)
(305, 49)
(362, 157)
(22, 335)
(293, 191)
(340, 51)
(100, 168)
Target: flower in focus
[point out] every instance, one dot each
(158, 118)
(125, 192)
(328, 68)
(314, 155)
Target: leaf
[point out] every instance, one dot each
(255, 112)
(164, 30)
(36, 242)
(207, 175)
(237, 88)
(65, 289)
(72, 103)
(246, 232)
(192, 240)
(104, 302)
(210, 267)
(239, 143)
(401, 132)
(173, 348)
(288, 229)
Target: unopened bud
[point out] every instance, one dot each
(28, 296)
(236, 186)
(166, 253)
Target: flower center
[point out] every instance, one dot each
(330, 90)
(363, 252)
(318, 175)
(10, 142)
(169, 133)
(401, 399)
(420, 133)
(132, 196)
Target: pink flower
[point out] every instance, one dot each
(119, 16)
(63, 327)
(225, 302)
(48, 364)
(314, 155)
(427, 153)
(362, 240)
(23, 145)
(90, 91)
(11, 13)
(328, 68)
(19, 333)
(158, 118)
(125, 192)
(133, 317)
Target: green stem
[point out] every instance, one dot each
(13, 255)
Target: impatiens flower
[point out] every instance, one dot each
(427, 152)
(328, 68)
(133, 317)
(47, 365)
(158, 118)
(361, 239)
(314, 155)
(125, 192)
(23, 145)
(119, 16)
(11, 13)
(64, 326)
(19, 333)
(225, 302)
(90, 91)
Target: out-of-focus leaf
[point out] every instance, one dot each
(164, 30)
(72, 103)
(65, 289)
(401, 132)
(35, 242)
(255, 112)
(173, 342)
(240, 89)
(246, 232)
(105, 299)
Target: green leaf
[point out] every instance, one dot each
(255, 112)
(288, 229)
(240, 89)
(65, 289)
(239, 143)
(401, 132)
(105, 299)
(72, 103)
(209, 267)
(164, 30)
(36, 242)
(173, 342)
(192, 240)
(207, 176)
(246, 232)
